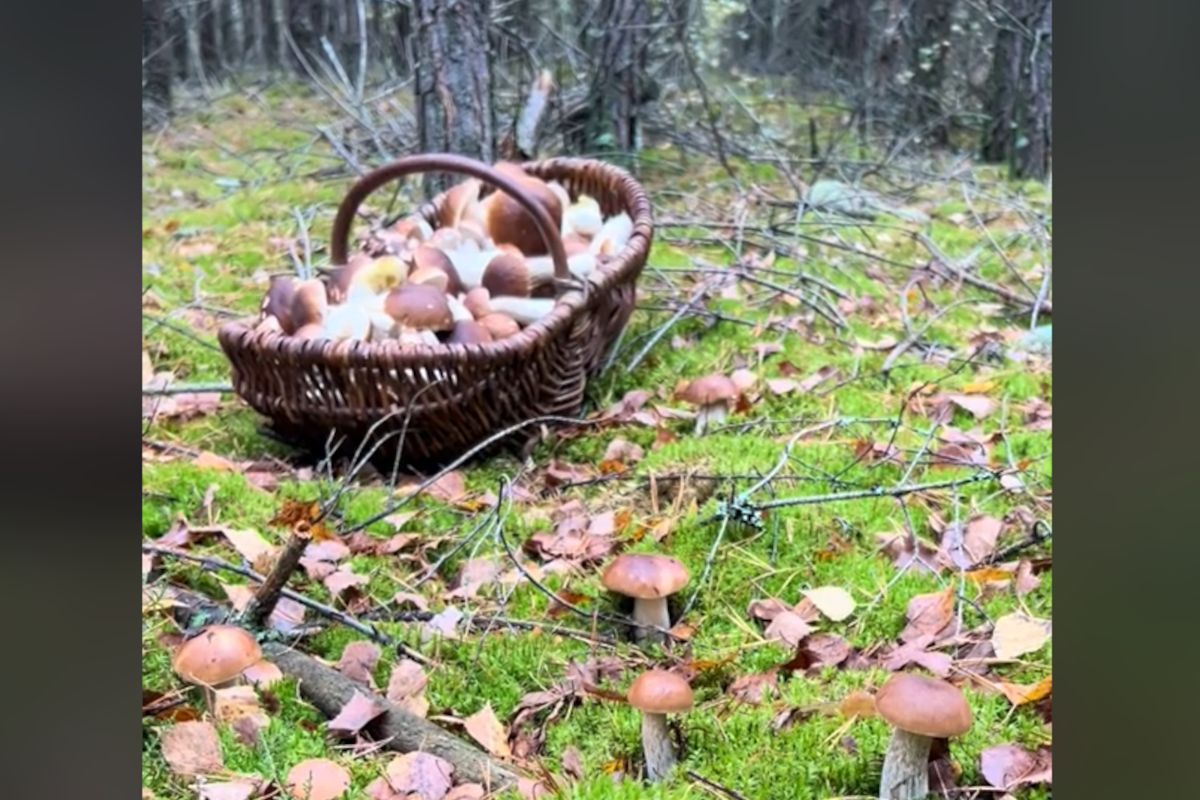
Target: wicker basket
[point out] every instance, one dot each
(442, 401)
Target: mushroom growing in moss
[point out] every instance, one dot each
(649, 580)
(657, 693)
(712, 396)
(920, 709)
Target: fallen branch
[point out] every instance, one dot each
(397, 729)
(268, 592)
(187, 388)
(531, 114)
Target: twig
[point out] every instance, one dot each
(1034, 538)
(714, 786)
(878, 491)
(696, 297)
(187, 388)
(267, 595)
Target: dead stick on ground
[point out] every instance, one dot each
(329, 690)
(267, 594)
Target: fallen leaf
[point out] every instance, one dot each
(572, 762)
(449, 488)
(817, 378)
(358, 662)
(485, 728)
(444, 623)
(1016, 634)
(317, 779)
(1019, 694)
(832, 601)
(928, 614)
(467, 791)
(252, 547)
(239, 702)
(782, 385)
(899, 547)
(857, 705)
(917, 652)
(192, 748)
(405, 599)
(1026, 581)
(824, 650)
(229, 790)
(356, 714)
(976, 405)
(557, 473)
(342, 580)
(1007, 766)
(788, 627)
(530, 789)
(962, 546)
(754, 689)
(767, 609)
(207, 460)
(623, 451)
(421, 774)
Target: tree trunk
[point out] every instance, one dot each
(258, 31)
(279, 19)
(157, 63)
(194, 64)
(616, 84)
(1031, 151)
(1018, 96)
(843, 27)
(931, 27)
(218, 34)
(453, 82)
(237, 34)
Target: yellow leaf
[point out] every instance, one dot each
(832, 601)
(1019, 694)
(978, 387)
(1016, 634)
(857, 704)
(989, 575)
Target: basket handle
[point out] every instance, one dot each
(443, 162)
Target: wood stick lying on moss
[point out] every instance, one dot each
(330, 690)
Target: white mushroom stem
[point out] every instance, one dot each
(710, 415)
(650, 611)
(525, 310)
(905, 767)
(541, 268)
(656, 744)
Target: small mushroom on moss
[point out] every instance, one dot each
(919, 709)
(657, 693)
(711, 395)
(649, 579)
(215, 657)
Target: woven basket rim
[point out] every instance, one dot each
(242, 334)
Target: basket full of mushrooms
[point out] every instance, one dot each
(491, 305)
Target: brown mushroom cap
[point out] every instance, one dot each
(644, 576)
(278, 300)
(500, 325)
(476, 301)
(217, 654)
(925, 706)
(507, 274)
(714, 388)
(310, 302)
(468, 331)
(417, 305)
(458, 198)
(657, 691)
(317, 779)
(428, 257)
(508, 222)
(313, 330)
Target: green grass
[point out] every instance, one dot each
(266, 146)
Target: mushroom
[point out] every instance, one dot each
(426, 258)
(215, 657)
(525, 310)
(419, 306)
(278, 300)
(458, 310)
(613, 236)
(657, 693)
(317, 779)
(309, 303)
(500, 325)
(506, 220)
(920, 709)
(313, 330)
(269, 324)
(413, 227)
(580, 264)
(348, 321)
(711, 394)
(649, 580)
(468, 331)
(582, 217)
(458, 199)
(507, 273)
(476, 301)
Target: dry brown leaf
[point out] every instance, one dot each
(963, 546)
(1016, 634)
(406, 687)
(317, 779)
(229, 790)
(356, 715)
(343, 580)
(252, 547)
(788, 627)
(928, 614)
(467, 791)
(767, 609)
(485, 728)
(358, 662)
(782, 385)
(824, 650)
(444, 623)
(192, 748)
(754, 689)
(623, 451)
(1007, 766)
(572, 763)
(1026, 581)
(207, 460)
(421, 774)
(834, 602)
(917, 652)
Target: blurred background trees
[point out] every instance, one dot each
(965, 75)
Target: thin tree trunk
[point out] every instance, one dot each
(218, 32)
(258, 29)
(237, 34)
(931, 26)
(453, 82)
(279, 18)
(157, 63)
(194, 63)
(1031, 151)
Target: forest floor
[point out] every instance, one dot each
(770, 660)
